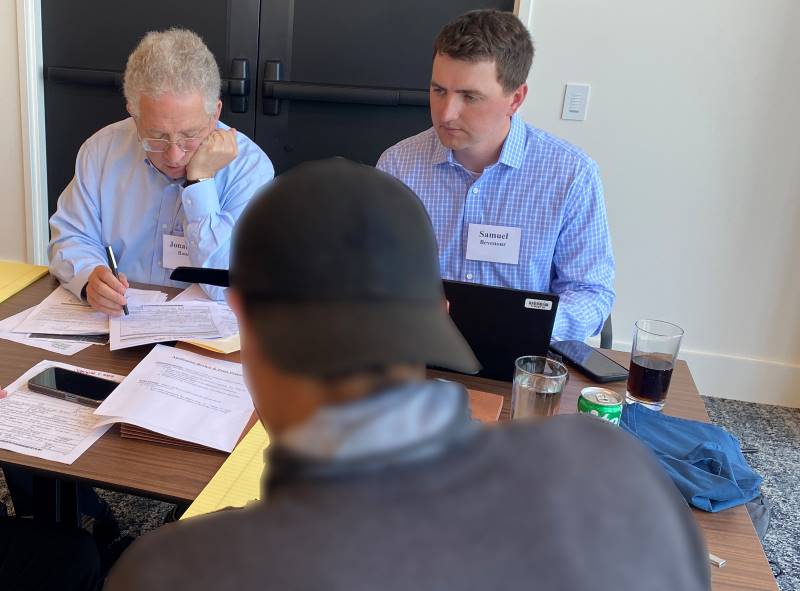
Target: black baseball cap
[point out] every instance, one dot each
(338, 267)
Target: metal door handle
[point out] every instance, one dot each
(83, 76)
(237, 86)
(331, 93)
(273, 90)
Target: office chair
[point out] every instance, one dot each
(605, 334)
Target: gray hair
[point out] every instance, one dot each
(175, 61)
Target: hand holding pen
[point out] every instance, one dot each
(105, 291)
(112, 264)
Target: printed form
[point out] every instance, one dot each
(183, 395)
(228, 325)
(46, 427)
(54, 345)
(62, 313)
(153, 323)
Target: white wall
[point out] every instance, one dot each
(694, 122)
(12, 196)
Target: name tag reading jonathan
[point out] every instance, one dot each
(493, 244)
(176, 253)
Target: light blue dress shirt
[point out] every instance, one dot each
(549, 189)
(118, 198)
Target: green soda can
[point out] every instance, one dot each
(601, 402)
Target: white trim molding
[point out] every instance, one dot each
(34, 156)
(524, 11)
(740, 378)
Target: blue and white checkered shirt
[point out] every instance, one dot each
(549, 189)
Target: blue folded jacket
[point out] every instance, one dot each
(704, 461)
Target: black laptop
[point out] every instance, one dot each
(501, 324)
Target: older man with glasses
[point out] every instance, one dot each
(164, 187)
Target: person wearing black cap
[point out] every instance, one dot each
(377, 478)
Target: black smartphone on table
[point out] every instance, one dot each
(72, 386)
(590, 361)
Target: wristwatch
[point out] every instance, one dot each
(188, 182)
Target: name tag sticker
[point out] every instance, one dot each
(538, 304)
(493, 244)
(176, 253)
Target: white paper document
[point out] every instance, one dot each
(183, 395)
(63, 313)
(224, 316)
(193, 293)
(47, 427)
(65, 347)
(154, 323)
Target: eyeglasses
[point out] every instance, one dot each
(186, 144)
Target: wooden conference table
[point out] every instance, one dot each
(178, 475)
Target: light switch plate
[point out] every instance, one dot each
(576, 102)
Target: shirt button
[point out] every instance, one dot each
(475, 190)
(188, 202)
(469, 275)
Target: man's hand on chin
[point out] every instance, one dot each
(105, 293)
(214, 154)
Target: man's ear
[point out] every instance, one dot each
(234, 299)
(236, 302)
(219, 110)
(517, 98)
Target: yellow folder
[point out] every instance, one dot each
(16, 276)
(225, 346)
(238, 480)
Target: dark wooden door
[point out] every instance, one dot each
(85, 47)
(347, 78)
(305, 79)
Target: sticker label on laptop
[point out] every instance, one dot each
(538, 304)
(493, 244)
(176, 252)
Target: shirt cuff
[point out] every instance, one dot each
(200, 200)
(75, 285)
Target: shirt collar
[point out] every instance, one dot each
(397, 418)
(513, 150)
(511, 155)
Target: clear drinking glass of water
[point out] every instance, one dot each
(537, 388)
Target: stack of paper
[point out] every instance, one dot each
(47, 427)
(61, 313)
(62, 323)
(155, 323)
(229, 342)
(17, 276)
(55, 345)
(185, 396)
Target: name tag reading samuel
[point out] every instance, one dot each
(493, 244)
(176, 253)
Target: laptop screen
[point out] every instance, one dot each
(501, 324)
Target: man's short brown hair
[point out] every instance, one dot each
(489, 35)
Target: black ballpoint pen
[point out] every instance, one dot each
(112, 263)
